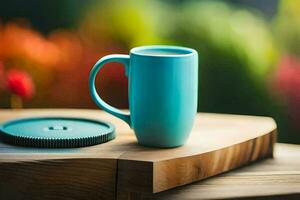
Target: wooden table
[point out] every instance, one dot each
(44, 173)
(273, 178)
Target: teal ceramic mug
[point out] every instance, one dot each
(163, 85)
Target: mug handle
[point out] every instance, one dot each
(123, 59)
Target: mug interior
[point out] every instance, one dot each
(162, 51)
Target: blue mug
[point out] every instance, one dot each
(163, 86)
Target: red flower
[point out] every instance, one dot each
(20, 83)
(287, 85)
(287, 77)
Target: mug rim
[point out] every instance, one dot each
(186, 51)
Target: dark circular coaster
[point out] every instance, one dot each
(56, 132)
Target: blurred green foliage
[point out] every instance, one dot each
(129, 23)
(237, 54)
(287, 26)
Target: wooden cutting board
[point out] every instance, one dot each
(121, 169)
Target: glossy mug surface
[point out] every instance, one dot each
(163, 85)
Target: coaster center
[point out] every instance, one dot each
(57, 128)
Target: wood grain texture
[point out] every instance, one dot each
(277, 178)
(123, 169)
(58, 179)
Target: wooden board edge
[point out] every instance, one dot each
(75, 178)
(197, 167)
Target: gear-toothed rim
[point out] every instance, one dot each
(31, 141)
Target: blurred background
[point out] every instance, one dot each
(249, 52)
